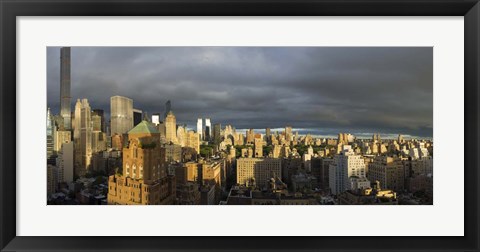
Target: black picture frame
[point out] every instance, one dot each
(10, 9)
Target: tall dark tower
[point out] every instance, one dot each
(65, 98)
(168, 107)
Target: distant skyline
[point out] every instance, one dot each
(321, 90)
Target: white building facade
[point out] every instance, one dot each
(200, 128)
(347, 164)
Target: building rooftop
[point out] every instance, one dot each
(144, 127)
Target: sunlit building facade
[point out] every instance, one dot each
(121, 115)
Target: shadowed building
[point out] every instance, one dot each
(188, 194)
(65, 97)
(173, 152)
(208, 129)
(65, 163)
(217, 131)
(388, 171)
(137, 116)
(99, 112)
(168, 107)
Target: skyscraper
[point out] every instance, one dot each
(345, 166)
(171, 128)
(182, 135)
(258, 145)
(217, 131)
(65, 98)
(96, 122)
(137, 116)
(82, 137)
(156, 118)
(208, 129)
(250, 136)
(268, 137)
(50, 138)
(168, 107)
(65, 163)
(193, 140)
(200, 128)
(288, 133)
(267, 132)
(100, 113)
(121, 114)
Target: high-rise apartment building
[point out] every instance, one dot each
(200, 128)
(208, 129)
(65, 163)
(99, 141)
(96, 122)
(168, 107)
(171, 128)
(61, 137)
(52, 179)
(388, 171)
(217, 133)
(173, 152)
(137, 116)
(101, 114)
(258, 145)
(250, 136)
(144, 180)
(288, 134)
(342, 138)
(193, 140)
(65, 96)
(239, 139)
(50, 138)
(182, 135)
(188, 172)
(346, 164)
(210, 173)
(121, 114)
(156, 119)
(258, 170)
(307, 159)
(82, 137)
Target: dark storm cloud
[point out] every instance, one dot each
(387, 90)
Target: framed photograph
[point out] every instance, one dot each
(239, 125)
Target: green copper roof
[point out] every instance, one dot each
(143, 127)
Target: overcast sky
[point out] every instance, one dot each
(322, 90)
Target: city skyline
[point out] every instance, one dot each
(139, 158)
(320, 90)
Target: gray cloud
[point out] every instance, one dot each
(352, 89)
